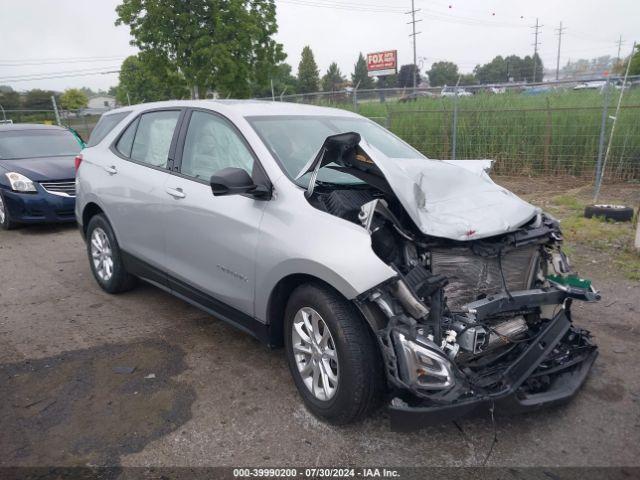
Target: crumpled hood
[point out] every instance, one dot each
(450, 201)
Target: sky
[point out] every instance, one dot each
(75, 42)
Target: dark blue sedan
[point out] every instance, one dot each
(37, 174)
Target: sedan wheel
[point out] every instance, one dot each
(3, 214)
(5, 220)
(315, 353)
(101, 254)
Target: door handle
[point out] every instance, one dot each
(112, 170)
(176, 192)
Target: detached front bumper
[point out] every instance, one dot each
(39, 207)
(562, 382)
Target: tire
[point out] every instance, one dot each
(119, 280)
(619, 213)
(360, 378)
(5, 220)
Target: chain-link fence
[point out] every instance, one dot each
(554, 128)
(81, 121)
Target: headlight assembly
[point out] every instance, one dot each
(421, 366)
(20, 183)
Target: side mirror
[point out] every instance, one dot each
(236, 181)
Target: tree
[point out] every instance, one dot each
(405, 77)
(333, 79)
(308, 76)
(149, 78)
(527, 69)
(387, 81)
(37, 99)
(493, 72)
(468, 79)
(360, 76)
(73, 99)
(634, 68)
(283, 81)
(443, 73)
(514, 66)
(221, 45)
(9, 99)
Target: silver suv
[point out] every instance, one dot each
(386, 276)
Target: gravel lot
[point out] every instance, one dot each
(204, 394)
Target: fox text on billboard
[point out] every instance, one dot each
(382, 63)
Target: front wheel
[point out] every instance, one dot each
(5, 220)
(105, 257)
(332, 355)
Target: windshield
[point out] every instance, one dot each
(37, 143)
(294, 140)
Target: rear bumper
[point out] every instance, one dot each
(39, 207)
(563, 383)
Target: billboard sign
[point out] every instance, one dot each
(382, 63)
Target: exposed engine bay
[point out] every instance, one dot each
(465, 322)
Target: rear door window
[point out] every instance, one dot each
(104, 126)
(153, 137)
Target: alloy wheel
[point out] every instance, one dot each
(101, 254)
(315, 353)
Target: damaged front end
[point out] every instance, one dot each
(471, 321)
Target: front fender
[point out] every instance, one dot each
(296, 238)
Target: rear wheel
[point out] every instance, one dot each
(5, 220)
(332, 355)
(105, 257)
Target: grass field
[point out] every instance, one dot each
(551, 133)
(607, 244)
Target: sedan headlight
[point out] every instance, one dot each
(20, 183)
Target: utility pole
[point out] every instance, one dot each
(537, 27)
(619, 42)
(559, 30)
(414, 34)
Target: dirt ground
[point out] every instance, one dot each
(144, 379)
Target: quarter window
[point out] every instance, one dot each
(212, 144)
(125, 143)
(152, 138)
(104, 126)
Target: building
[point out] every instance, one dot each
(101, 102)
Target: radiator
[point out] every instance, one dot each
(472, 276)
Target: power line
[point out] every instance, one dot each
(358, 7)
(470, 21)
(51, 77)
(560, 30)
(378, 8)
(93, 69)
(414, 34)
(57, 62)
